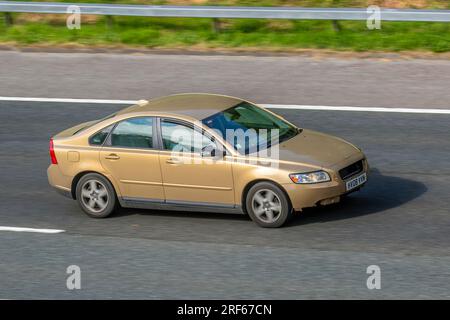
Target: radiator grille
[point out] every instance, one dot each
(351, 170)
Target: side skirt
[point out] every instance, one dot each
(192, 206)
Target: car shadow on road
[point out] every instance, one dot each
(381, 193)
(180, 214)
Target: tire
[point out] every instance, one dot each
(96, 195)
(268, 205)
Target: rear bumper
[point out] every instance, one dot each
(65, 192)
(310, 195)
(58, 181)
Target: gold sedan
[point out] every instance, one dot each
(203, 152)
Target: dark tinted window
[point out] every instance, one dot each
(249, 118)
(133, 133)
(98, 138)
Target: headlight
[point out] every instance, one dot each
(310, 177)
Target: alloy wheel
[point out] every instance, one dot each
(94, 196)
(266, 205)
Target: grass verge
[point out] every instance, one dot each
(234, 33)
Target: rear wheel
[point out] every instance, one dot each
(267, 205)
(96, 195)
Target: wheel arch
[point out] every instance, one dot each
(250, 184)
(79, 175)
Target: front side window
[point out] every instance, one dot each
(133, 133)
(259, 129)
(183, 138)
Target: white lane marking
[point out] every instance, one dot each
(67, 100)
(270, 106)
(364, 109)
(19, 229)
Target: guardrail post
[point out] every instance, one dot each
(336, 26)
(109, 21)
(216, 26)
(8, 19)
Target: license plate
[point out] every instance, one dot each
(355, 182)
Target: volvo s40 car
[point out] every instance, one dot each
(203, 152)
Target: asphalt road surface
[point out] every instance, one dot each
(399, 221)
(278, 80)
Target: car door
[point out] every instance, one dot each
(131, 156)
(190, 177)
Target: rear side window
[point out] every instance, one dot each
(98, 138)
(133, 133)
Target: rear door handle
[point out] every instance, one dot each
(173, 161)
(112, 156)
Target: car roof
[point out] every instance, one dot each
(195, 105)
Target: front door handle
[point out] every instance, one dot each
(173, 161)
(112, 156)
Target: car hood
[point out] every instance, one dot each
(316, 149)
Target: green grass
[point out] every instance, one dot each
(245, 33)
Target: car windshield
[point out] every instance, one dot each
(250, 128)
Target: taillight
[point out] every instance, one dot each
(52, 153)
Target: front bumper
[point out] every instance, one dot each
(310, 195)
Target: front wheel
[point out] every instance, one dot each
(96, 195)
(268, 205)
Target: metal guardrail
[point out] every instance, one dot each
(228, 12)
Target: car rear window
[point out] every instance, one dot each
(94, 123)
(98, 138)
